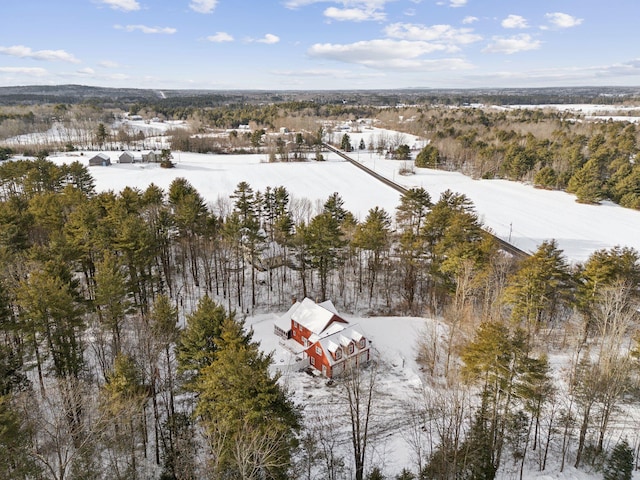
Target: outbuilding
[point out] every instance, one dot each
(101, 159)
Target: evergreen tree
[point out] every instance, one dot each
(15, 459)
(374, 236)
(540, 288)
(619, 465)
(112, 298)
(101, 134)
(198, 343)
(345, 143)
(52, 321)
(245, 411)
(497, 360)
(587, 183)
(325, 240)
(122, 400)
(429, 157)
(410, 217)
(334, 206)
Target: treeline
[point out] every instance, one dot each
(594, 160)
(100, 381)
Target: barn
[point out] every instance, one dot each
(101, 159)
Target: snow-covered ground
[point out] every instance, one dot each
(525, 215)
(401, 385)
(516, 212)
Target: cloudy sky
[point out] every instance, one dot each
(320, 44)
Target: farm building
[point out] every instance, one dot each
(328, 341)
(150, 156)
(101, 159)
(129, 157)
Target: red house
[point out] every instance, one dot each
(329, 342)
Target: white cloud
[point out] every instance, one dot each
(108, 64)
(124, 5)
(269, 38)
(21, 51)
(86, 71)
(515, 21)
(31, 71)
(203, 6)
(220, 37)
(469, 19)
(388, 53)
(510, 45)
(563, 20)
(145, 29)
(360, 4)
(442, 34)
(353, 14)
(457, 3)
(118, 76)
(566, 76)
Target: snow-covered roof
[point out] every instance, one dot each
(103, 156)
(316, 317)
(284, 322)
(328, 304)
(344, 337)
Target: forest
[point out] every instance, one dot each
(124, 351)
(101, 379)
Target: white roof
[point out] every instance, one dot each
(284, 322)
(328, 304)
(315, 317)
(344, 337)
(104, 156)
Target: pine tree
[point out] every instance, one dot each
(199, 342)
(374, 236)
(246, 412)
(540, 288)
(15, 459)
(112, 299)
(345, 143)
(619, 465)
(325, 241)
(429, 157)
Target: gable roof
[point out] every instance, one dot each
(316, 317)
(344, 337)
(284, 322)
(129, 153)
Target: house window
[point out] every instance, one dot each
(318, 350)
(363, 342)
(338, 354)
(312, 360)
(351, 348)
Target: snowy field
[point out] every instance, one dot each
(515, 212)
